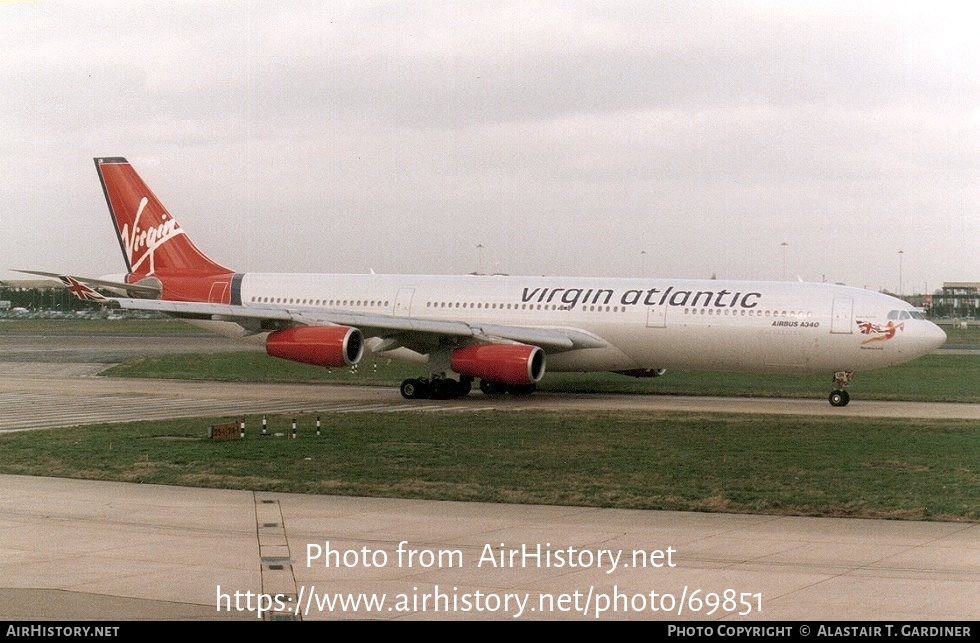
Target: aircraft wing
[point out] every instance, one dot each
(421, 335)
(418, 334)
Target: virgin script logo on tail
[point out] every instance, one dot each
(141, 244)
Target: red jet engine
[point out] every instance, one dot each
(317, 345)
(512, 364)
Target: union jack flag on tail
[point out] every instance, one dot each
(80, 290)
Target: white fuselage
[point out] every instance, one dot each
(644, 323)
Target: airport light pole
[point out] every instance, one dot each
(479, 258)
(784, 244)
(900, 253)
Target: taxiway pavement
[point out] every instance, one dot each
(84, 550)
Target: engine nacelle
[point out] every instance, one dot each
(512, 364)
(318, 345)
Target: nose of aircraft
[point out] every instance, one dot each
(932, 336)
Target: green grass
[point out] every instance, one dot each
(899, 469)
(961, 333)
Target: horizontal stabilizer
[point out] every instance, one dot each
(149, 290)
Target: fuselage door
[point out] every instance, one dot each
(843, 318)
(657, 317)
(403, 302)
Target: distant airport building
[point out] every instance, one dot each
(959, 299)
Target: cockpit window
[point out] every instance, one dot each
(905, 314)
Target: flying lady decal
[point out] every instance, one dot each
(879, 333)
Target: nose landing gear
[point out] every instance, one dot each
(839, 396)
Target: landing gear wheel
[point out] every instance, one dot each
(444, 388)
(839, 397)
(492, 388)
(523, 389)
(414, 389)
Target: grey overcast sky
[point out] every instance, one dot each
(828, 141)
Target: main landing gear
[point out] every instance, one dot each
(499, 388)
(437, 388)
(446, 388)
(839, 396)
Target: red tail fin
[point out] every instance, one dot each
(153, 244)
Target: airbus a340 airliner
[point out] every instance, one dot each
(504, 331)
